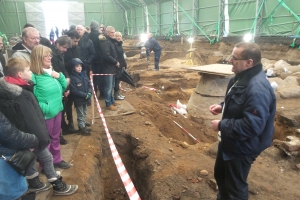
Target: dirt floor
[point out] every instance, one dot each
(161, 159)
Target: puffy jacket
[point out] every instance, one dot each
(247, 125)
(58, 62)
(12, 139)
(48, 92)
(109, 54)
(29, 107)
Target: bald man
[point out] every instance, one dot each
(152, 45)
(30, 39)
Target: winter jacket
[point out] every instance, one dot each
(43, 41)
(22, 52)
(94, 37)
(109, 54)
(71, 53)
(152, 45)
(2, 63)
(29, 107)
(87, 49)
(48, 92)
(120, 53)
(247, 124)
(58, 62)
(80, 86)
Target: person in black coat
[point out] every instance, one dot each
(123, 65)
(81, 91)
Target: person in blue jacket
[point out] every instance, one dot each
(152, 45)
(81, 89)
(247, 124)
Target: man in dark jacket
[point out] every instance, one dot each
(110, 65)
(247, 124)
(152, 45)
(86, 48)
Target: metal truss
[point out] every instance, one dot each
(125, 16)
(221, 20)
(195, 15)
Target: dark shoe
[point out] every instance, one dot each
(63, 165)
(36, 185)
(62, 141)
(71, 129)
(61, 188)
(84, 131)
(88, 124)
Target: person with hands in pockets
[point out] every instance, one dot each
(81, 89)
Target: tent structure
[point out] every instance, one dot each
(212, 19)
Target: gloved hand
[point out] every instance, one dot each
(88, 96)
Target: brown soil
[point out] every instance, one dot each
(160, 165)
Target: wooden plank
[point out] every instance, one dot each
(217, 69)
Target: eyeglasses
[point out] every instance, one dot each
(234, 58)
(48, 56)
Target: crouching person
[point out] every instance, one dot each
(81, 90)
(16, 87)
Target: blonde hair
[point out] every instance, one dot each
(15, 65)
(118, 34)
(36, 58)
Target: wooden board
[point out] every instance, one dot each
(216, 69)
(125, 108)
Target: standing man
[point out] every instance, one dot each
(110, 65)
(87, 49)
(152, 45)
(30, 39)
(247, 124)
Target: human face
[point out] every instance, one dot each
(47, 61)
(119, 38)
(239, 63)
(111, 33)
(80, 30)
(62, 49)
(32, 39)
(75, 42)
(26, 74)
(78, 68)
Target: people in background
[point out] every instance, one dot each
(13, 185)
(97, 62)
(247, 124)
(110, 65)
(51, 36)
(30, 39)
(81, 91)
(43, 41)
(18, 86)
(102, 29)
(123, 65)
(152, 45)
(86, 48)
(87, 31)
(2, 59)
(48, 89)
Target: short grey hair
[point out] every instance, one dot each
(63, 40)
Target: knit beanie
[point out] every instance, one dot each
(94, 25)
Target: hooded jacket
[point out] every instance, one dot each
(30, 119)
(109, 54)
(80, 85)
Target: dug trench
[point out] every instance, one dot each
(162, 160)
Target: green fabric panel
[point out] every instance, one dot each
(140, 26)
(9, 22)
(241, 16)
(166, 17)
(185, 24)
(208, 16)
(153, 21)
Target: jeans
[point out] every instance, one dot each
(46, 160)
(81, 114)
(231, 176)
(53, 127)
(109, 86)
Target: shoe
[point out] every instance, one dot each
(61, 188)
(62, 140)
(119, 97)
(70, 130)
(84, 131)
(63, 165)
(36, 185)
(88, 124)
(111, 107)
(122, 96)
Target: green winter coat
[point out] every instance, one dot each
(48, 92)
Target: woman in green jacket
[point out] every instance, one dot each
(48, 90)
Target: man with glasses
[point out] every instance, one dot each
(247, 123)
(30, 39)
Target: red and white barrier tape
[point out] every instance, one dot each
(128, 184)
(102, 74)
(149, 88)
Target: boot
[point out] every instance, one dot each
(71, 129)
(62, 140)
(84, 131)
(61, 188)
(36, 185)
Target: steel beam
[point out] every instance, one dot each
(221, 20)
(145, 15)
(195, 15)
(125, 17)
